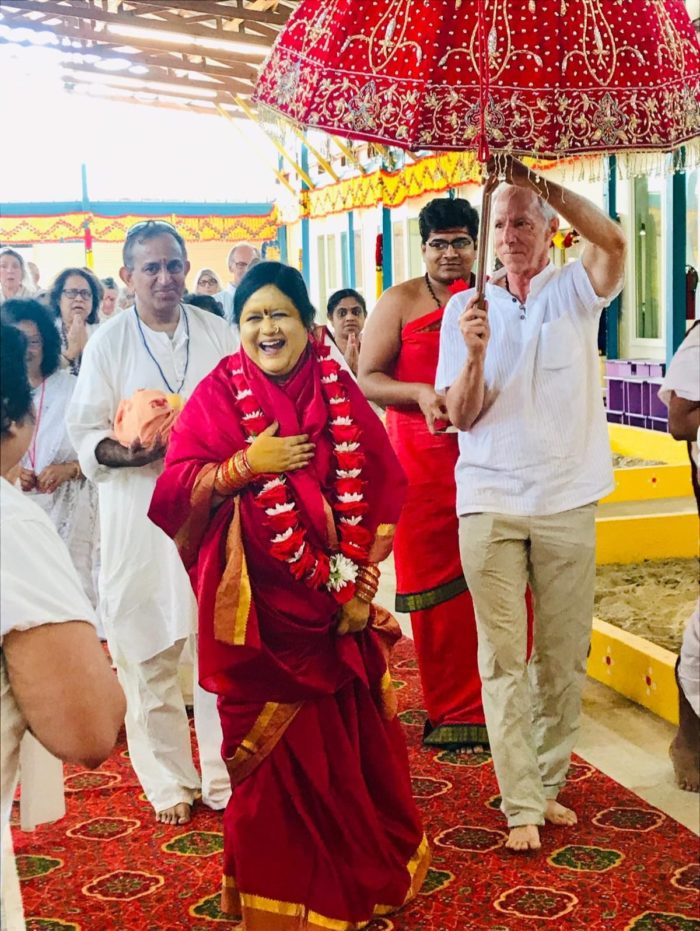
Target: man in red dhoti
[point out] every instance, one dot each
(397, 370)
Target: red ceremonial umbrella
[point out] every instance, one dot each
(539, 78)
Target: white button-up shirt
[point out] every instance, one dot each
(540, 446)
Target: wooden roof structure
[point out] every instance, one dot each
(195, 55)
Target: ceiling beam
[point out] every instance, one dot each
(80, 10)
(218, 10)
(176, 93)
(162, 76)
(236, 67)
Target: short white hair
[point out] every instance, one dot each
(548, 212)
(239, 245)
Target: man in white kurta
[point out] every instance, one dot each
(148, 607)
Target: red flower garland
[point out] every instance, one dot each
(317, 569)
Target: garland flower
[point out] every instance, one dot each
(336, 571)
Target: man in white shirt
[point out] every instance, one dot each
(239, 259)
(521, 376)
(148, 606)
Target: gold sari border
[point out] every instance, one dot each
(383, 542)
(234, 595)
(270, 725)
(260, 913)
(189, 536)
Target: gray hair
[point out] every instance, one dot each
(546, 209)
(239, 245)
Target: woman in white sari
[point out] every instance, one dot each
(50, 471)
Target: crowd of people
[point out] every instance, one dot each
(215, 457)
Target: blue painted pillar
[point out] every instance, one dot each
(387, 251)
(284, 246)
(351, 249)
(675, 248)
(612, 314)
(305, 229)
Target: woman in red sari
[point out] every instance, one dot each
(280, 489)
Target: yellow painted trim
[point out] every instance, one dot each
(634, 667)
(650, 536)
(647, 444)
(648, 483)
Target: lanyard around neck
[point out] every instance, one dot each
(157, 364)
(37, 423)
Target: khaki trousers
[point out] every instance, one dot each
(532, 709)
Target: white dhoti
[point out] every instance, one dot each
(689, 666)
(159, 737)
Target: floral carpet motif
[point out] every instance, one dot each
(109, 866)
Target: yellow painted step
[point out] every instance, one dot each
(647, 444)
(634, 667)
(649, 483)
(627, 538)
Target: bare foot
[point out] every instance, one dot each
(685, 765)
(178, 814)
(557, 814)
(525, 837)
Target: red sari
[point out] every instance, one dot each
(430, 582)
(321, 830)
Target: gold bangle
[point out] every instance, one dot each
(364, 596)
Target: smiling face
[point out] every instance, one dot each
(348, 317)
(522, 235)
(273, 335)
(10, 275)
(75, 299)
(157, 277)
(449, 254)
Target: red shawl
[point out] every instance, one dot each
(263, 636)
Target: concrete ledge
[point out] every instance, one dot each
(648, 483)
(637, 538)
(647, 444)
(634, 667)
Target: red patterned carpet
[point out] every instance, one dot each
(107, 866)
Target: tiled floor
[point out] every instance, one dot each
(618, 737)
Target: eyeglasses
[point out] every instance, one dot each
(205, 280)
(459, 245)
(72, 293)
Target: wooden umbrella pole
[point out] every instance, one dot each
(490, 186)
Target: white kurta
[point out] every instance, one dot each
(73, 506)
(145, 594)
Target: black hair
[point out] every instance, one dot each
(20, 309)
(15, 391)
(15, 255)
(287, 279)
(339, 296)
(205, 302)
(447, 213)
(109, 284)
(58, 285)
(149, 229)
